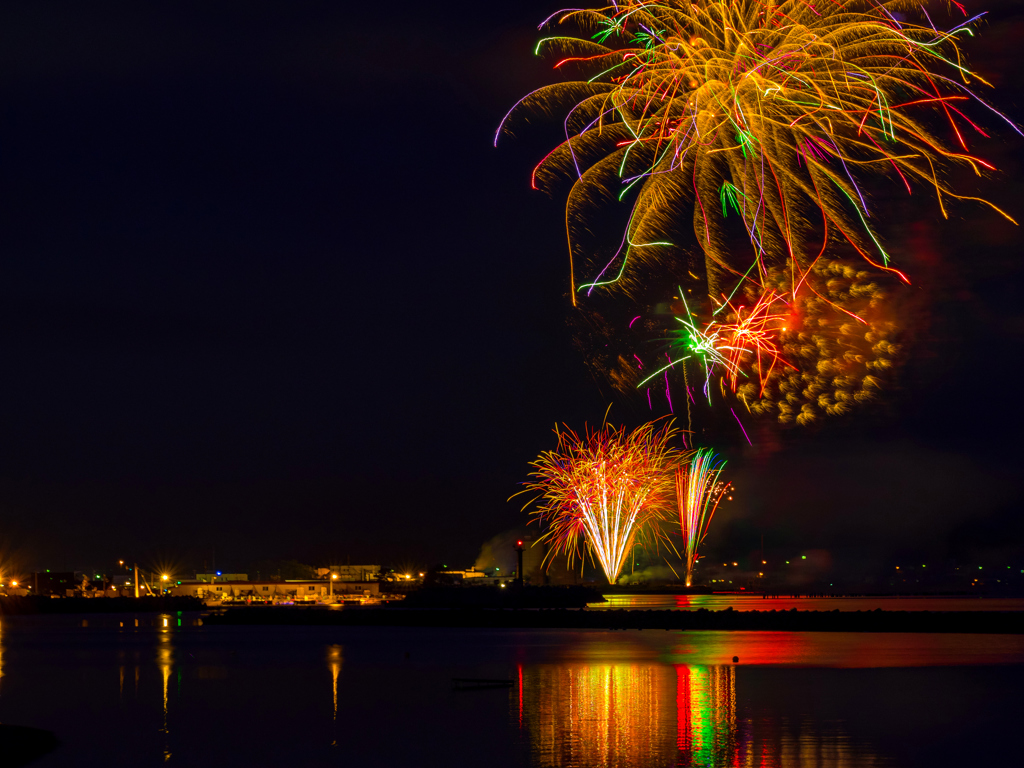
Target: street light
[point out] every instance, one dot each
(331, 583)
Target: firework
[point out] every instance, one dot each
(603, 492)
(698, 492)
(839, 345)
(745, 341)
(772, 112)
(799, 351)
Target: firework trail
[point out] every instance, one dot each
(698, 492)
(772, 112)
(603, 492)
(746, 340)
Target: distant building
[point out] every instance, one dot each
(273, 590)
(209, 578)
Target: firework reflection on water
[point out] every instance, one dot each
(644, 714)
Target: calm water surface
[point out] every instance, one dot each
(741, 602)
(170, 692)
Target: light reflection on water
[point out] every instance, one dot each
(849, 650)
(666, 715)
(191, 696)
(755, 602)
(334, 656)
(589, 714)
(165, 661)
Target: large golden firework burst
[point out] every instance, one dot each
(765, 111)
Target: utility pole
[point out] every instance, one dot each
(519, 569)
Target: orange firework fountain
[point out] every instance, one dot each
(603, 491)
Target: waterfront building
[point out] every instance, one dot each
(301, 590)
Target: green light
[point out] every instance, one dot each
(803, 557)
(729, 196)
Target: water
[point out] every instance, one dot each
(172, 692)
(741, 602)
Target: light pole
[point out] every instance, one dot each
(331, 585)
(519, 570)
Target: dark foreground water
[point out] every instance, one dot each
(170, 692)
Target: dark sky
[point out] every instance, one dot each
(268, 288)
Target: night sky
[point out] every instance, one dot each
(269, 289)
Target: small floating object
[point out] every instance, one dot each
(473, 683)
(735, 659)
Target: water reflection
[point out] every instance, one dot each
(334, 665)
(755, 602)
(640, 714)
(706, 730)
(597, 714)
(164, 660)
